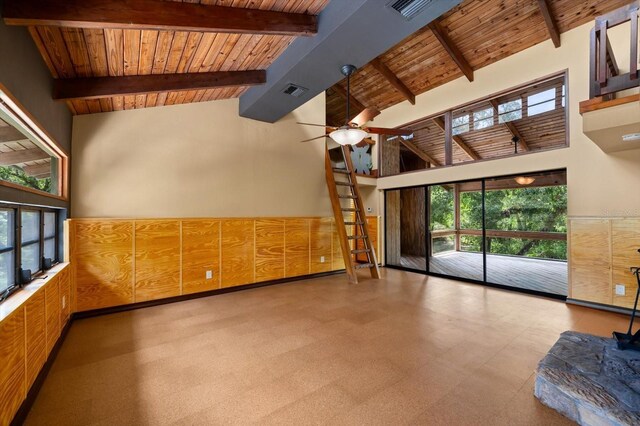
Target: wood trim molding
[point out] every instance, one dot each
(601, 103)
(156, 15)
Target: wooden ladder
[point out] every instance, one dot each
(347, 190)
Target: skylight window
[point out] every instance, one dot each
(541, 102)
(483, 119)
(460, 124)
(510, 111)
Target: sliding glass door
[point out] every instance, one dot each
(455, 219)
(507, 231)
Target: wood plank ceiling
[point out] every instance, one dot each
(476, 32)
(91, 52)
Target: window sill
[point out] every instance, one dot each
(21, 296)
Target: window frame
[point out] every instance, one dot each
(18, 209)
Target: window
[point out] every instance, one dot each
(510, 111)
(30, 231)
(541, 102)
(28, 158)
(483, 119)
(460, 124)
(7, 251)
(28, 235)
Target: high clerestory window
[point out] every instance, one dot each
(525, 119)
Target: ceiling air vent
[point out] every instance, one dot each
(294, 90)
(409, 8)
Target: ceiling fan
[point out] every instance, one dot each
(353, 132)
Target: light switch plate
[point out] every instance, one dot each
(620, 290)
(209, 275)
(321, 259)
(369, 209)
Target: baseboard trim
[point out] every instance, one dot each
(25, 407)
(149, 303)
(600, 306)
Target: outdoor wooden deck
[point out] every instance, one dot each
(549, 276)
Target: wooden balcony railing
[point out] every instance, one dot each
(494, 233)
(604, 74)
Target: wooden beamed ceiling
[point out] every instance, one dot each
(91, 40)
(470, 36)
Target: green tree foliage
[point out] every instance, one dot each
(519, 209)
(18, 176)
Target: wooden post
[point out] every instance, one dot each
(448, 139)
(456, 216)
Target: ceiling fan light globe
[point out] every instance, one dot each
(348, 136)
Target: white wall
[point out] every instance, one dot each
(198, 160)
(599, 184)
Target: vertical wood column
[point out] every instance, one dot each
(448, 139)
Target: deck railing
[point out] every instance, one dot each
(605, 77)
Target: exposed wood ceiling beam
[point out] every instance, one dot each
(102, 87)
(393, 80)
(156, 15)
(552, 27)
(451, 49)
(417, 151)
(354, 104)
(22, 156)
(11, 134)
(38, 170)
(458, 140)
(510, 126)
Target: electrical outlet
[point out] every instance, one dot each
(209, 275)
(321, 259)
(64, 302)
(620, 290)
(369, 209)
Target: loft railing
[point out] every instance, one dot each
(605, 77)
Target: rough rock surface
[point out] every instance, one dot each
(588, 379)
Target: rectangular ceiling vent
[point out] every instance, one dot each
(409, 8)
(295, 90)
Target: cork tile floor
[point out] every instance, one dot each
(407, 349)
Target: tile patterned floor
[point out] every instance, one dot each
(407, 349)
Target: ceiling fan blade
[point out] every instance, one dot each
(313, 139)
(317, 125)
(365, 116)
(384, 131)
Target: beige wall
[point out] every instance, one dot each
(599, 184)
(198, 160)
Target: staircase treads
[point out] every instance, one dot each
(364, 265)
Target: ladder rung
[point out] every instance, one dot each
(364, 265)
(354, 223)
(353, 197)
(360, 251)
(343, 171)
(350, 210)
(357, 237)
(344, 183)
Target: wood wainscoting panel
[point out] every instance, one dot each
(320, 240)
(590, 260)
(65, 296)
(12, 367)
(337, 261)
(297, 247)
(157, 259)
(200, 253)
(269, 249)
(102, 263)
(52, 312)
(238, 252)
(36, 335)
(625, 242)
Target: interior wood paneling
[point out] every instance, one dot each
(52, 312)
(102, 261)
(36, 335)
(12, 367)
(200, 253)
(270, 256)
(337, 260)
(65, 296)
(412, 221)
(392, 223)
(590, 260)
(320, 232)
(157, 259)
(238, 252)
(625, 242)
(297, 247)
